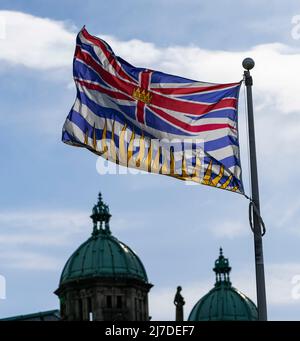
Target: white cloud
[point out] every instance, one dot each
(161, 304)
(58, 223)
(161, 307)
(138, 51)
(273, 75)
(279, 285)
(28, 238)
(55, 228)
(38, 43)
(229, 229)
(27, 260)
(288, 217)
(43, 43)
(279, 278)
(46, 44)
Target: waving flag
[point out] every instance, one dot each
(153, 121)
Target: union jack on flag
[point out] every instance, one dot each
(146, 119)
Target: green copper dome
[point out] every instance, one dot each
(103, 255)
(223, 302)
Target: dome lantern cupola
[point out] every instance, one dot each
(100, 215)
(222, 270)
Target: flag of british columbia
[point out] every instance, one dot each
(153, 121)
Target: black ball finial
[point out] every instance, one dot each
(248, 63)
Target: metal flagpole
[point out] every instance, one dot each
(248, 64)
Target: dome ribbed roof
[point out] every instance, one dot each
(103, 255)
(223, 302)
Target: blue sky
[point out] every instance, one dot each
(48, 188)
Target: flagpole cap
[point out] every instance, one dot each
(248, 63)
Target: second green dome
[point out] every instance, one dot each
(223, 302)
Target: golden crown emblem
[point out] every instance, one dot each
(142, 95)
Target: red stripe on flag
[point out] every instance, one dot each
(112, 80)
(140, 112)
(111, 58)
(113, 94)
(145, 79)
(186, 126)
(190, 107)
(191, 90)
